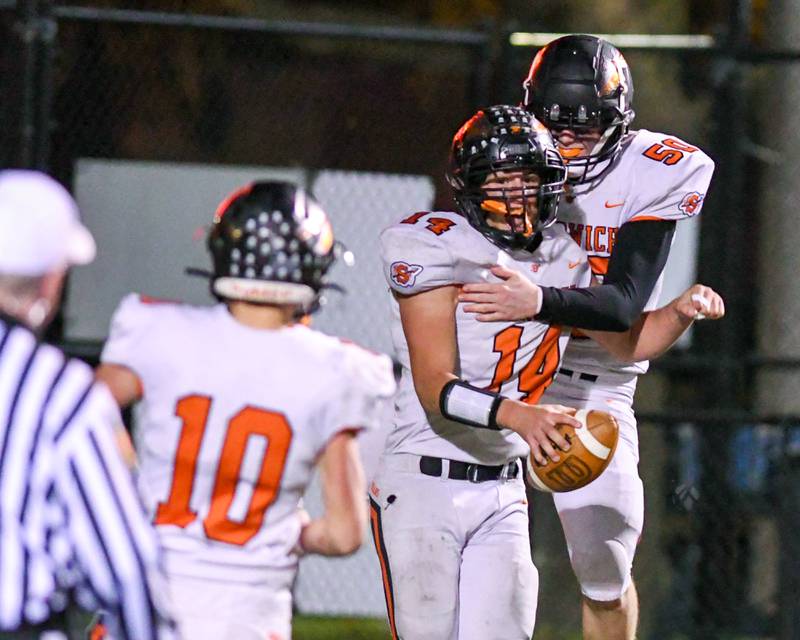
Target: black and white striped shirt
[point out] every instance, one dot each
(72, 530)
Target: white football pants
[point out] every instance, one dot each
(213, 610)
(603, 521)
(455, 555)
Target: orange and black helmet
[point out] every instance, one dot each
(506, 140)
(582, 82)
(270, 243)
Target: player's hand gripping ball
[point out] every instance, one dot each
(591, 449)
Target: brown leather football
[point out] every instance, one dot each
(592, 447)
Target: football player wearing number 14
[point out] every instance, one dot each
(449, 513)
(238, 404)
(627, 190)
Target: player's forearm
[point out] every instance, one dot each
(653, 334)
(508, 414)
(660, 329)
(432, 366)
(609, 307)
(340, 531)
(429, 390)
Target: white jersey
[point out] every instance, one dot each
(430, 250)
(231, 423)
(654, 177)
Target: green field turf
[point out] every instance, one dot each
(324, 628)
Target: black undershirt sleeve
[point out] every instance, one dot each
(640, 253)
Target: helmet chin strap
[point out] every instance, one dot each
(598, 147)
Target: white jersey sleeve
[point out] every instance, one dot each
(414, 257)
(671, 178)
(362, 387)
(128, 342)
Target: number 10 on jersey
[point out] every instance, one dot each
(193, 410)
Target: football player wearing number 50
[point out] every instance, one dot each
(449, 514)
(626, 191)
(239, 402)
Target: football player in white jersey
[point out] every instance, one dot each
(448, 504)
(626, 191)
(238, 403)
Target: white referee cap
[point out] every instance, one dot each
(40, 229)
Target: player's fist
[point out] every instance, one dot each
(699, 302)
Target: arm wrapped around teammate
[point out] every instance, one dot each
(640, 253)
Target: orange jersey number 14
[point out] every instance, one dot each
(538, 373)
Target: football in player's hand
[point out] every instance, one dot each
(591, 449)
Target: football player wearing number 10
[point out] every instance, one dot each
(449, 513)
(238, 404)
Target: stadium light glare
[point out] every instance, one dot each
(621, 40)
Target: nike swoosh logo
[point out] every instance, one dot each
(611, 205)
(572, 265)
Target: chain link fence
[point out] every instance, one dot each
(240, 91)
(719, 557)
(692, 585)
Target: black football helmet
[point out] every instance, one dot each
(506, 140)
(582, 82)
(271, 243)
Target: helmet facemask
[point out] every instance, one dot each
(506, 176)
(513, 205)
(605, 129)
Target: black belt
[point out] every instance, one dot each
(467, 471)
(589, 377)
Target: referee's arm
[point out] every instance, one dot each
(114, 544)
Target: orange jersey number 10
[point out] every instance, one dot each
(249, 421)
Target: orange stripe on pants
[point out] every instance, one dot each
(383, 558)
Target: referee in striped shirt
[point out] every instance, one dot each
(72, 532)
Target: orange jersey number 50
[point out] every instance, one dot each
(669, 152)
(249, 421)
